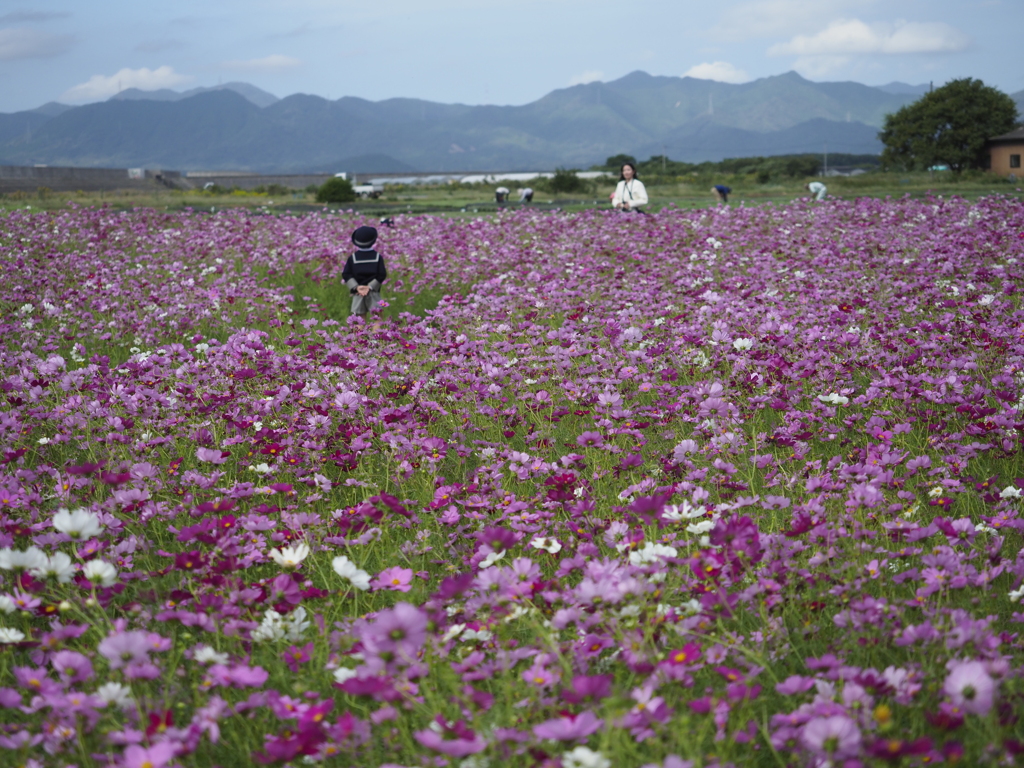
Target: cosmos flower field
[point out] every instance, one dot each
(698, 488)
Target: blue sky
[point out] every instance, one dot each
(484, 51)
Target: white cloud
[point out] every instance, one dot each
(779, 18)
(852, 36)
(722, 71)
(273, 63)
(21, 43)
(100, 87)
(815, 67)
(590, 76)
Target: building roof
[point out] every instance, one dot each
(1016, 134)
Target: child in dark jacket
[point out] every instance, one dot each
(364, 272)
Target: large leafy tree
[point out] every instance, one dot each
(947, 126)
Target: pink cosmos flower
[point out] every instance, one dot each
(970, 687)
(569, 728)
(125, 648)
(156, 756)
(455, 740)
(835, 737)
(396, 579)
(212, 455)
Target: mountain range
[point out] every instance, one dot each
(237, 126)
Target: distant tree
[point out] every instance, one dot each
(947, 126)
(566, 180)
(336, 190)
(615, 162)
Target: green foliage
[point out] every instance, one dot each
(948, 126)
(615, 162)
(566, 180)
(763, 169)
(273, 189)
(336, 190)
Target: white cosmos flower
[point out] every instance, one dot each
(651, 552)
(290, 557)
(1009, 492)
(684, 511)
(14, 560)
(263, 469)
(491, 559)
(834, 399)
(9, 635)
(115, 693)
(701, 527)
(547, 544)
(453, 631)
(100, 572)
(204, 654)
(741, 344)
(341, 674)
(59, 566)
(77, 523)
(987, 299)
(584, 757)
(1017, 594)
(348, 570)
(7, 604)
(271, 628)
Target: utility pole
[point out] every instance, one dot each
(664, 149)
(826, 159)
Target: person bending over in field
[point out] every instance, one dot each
(817, 189)
(364, 272)
(721, 193)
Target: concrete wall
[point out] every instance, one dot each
(17, 178)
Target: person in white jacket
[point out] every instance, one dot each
(630, 192)
(817, 189)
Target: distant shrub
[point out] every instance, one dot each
(335, 190)
(615, 162)
(566, 180)
(311, 189)
(43, 192)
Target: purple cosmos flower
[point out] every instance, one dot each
(400, 631)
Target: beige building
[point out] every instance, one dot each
(1004, 153)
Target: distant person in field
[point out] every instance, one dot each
(817, 189)
(721, 193)
(364, 272)
(526, 195)
(501, 194)
(630, 192)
